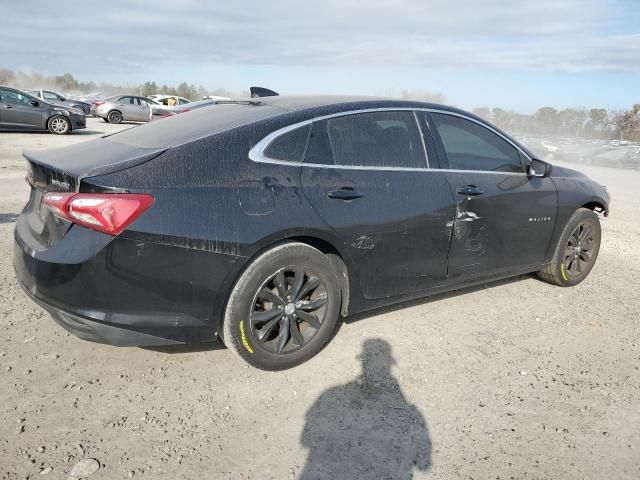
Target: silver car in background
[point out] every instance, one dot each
(124, 108)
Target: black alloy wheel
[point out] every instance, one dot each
(578, 254)
(284, 307)
(288, 310)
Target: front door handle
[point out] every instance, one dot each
(345, 193)
(8, 106)
(470, 191)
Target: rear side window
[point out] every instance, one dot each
(376, 139)
(289, 146)
(470, 146)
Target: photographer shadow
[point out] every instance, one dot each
(366, 429)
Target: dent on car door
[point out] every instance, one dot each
(504, 219)
(366, 175)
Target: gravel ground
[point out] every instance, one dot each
(515, 379)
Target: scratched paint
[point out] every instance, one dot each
(364, 242)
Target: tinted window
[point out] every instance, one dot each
(377, 139)
(290, 146)
(9, 96)
(318, 147)
(470, 146)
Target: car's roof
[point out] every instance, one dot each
(203, 122)
(304, 102)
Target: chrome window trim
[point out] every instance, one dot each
(256, 154)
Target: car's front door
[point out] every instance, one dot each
(367, 176)
(19, 110)
(504, 218)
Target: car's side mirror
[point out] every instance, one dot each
(35, 103)
(538, 168)
(62, 99)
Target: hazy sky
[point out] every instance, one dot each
(519, 54)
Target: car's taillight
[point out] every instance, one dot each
(105, 212)
(97, 104)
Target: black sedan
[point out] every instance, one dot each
(260, 223)
(21, 111)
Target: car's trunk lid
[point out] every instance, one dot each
(62, 170)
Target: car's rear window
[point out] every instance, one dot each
(190, 126)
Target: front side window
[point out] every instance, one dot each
(376, 139)
(289, 146)
(470, 146)
(9, 96)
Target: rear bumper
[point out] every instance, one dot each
(124, 292)
(99, 332)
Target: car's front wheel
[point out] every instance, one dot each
(59, 125)
(284, 307)
(576, 251)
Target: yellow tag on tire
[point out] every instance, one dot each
(244, 338)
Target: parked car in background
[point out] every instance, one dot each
(124, 108)
(164, 99)
(22, 111)
(261, 222)
(57, 99)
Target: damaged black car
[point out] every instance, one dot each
(261, 222)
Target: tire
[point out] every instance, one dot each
(270, 331)
(576, 251)
(59, 125)
(114, 117)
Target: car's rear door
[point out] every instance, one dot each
(367, 176)
(504, 218)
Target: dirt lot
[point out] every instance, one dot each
(517, 379)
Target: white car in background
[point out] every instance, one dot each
(164, 99)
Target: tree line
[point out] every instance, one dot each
(596, 123)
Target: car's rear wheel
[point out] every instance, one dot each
(576, 251)
(114, 117)
(283, 308)
(59, 125)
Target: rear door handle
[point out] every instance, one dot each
(470, 191)
(8, 106)
(345, 193)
